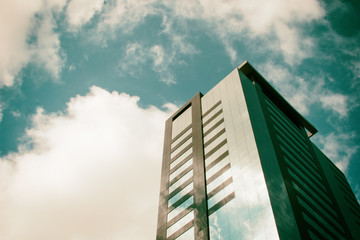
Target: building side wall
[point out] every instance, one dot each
(344, 196)
(183, 205)
(282, 209)
(245, 211)
(238, 164)
(312, 203)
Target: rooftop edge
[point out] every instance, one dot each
(251, 73)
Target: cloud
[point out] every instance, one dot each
(91, 172)
(304, 94)
(80, 12)
(336, 102)
(15, 113)
(337, 148)
(125, 15)
(47, 51)
(279, 23)
(15, 46)
(137, 54)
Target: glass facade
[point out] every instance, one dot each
(180, 217)
(238, 164)
(303, 170)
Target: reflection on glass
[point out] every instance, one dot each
(183, 179)
(179, 224)
(224, 224)
(181, 208)
(181, 169)
(220, 195)
(180, 194)
(217, 167)
(219, 180)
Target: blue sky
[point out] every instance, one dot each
(77, 76)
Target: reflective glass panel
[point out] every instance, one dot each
(179, 149)
(217, 167)
(220, 195)
(179, 224)
(180, 158)
(181, 194)
(219, 180)
(186, 134)
(188, 235)
(183, 179)
(180, 208)
(181, 169)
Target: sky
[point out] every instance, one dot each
(86, 86)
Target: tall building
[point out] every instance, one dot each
(238, 164)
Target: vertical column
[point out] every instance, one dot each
(164, 190)
(201, 224)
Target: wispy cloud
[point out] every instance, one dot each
(16, 47)
(76, 168)
(279, 23)
(337, 147)
(306, 93)
(137, 55)
(79, 12)
(46, 50)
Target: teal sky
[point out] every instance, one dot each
(78, 77)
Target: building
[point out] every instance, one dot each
(238, 164)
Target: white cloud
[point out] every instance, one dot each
(13, 47)
(337, 148)
(80, 12)
(280, 23)
(137, 54)
(336, 102)
(47, 50)
(17, 21)
(161, 62)
(124, 14)
(92, 172)
(158, 54)
(305, 93)
(15, 114)
(262, 19)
